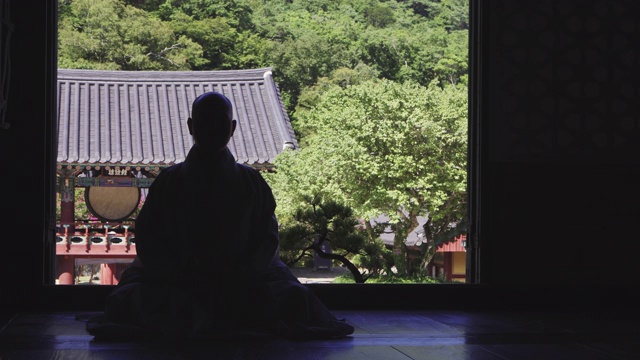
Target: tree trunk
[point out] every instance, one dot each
(358, 277)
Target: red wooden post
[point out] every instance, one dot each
(86, 238)
(448, 265)
(66, 269)
(126, 237)
(106, 238)
(67, 240)
(108, 274)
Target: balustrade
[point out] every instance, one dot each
(95, 238)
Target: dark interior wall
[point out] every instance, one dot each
(560, 141)
(559, 137)
(25, 172)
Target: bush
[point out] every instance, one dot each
(391, 279)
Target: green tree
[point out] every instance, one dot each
(452, 15)
(237, 13)
(224, 29)
(342, 77)
(449, 15)
(216, 37)
(382, 147)
(110, 35)
(452, 60)
(86, 269)
(321, 222)
(304, 46)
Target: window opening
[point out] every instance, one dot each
(97, 201)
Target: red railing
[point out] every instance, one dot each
(95, 239)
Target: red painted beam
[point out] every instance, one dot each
(97, 250)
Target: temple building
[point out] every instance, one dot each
(118, 129)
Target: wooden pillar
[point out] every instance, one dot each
(67, 203)
(448, 265)
(108, 274)
(66, 263)
(66, 269)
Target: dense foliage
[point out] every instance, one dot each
(303, 40)
(382, 147)
(327, 229)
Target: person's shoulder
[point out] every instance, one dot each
(254, 174)
(169, 173)
(172, 169)
(250, 170)
(256, 184)
(246, 168)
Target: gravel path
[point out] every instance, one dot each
(322, 276)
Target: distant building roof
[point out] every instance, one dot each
(412, 238)
(416, 237)
(139, 117)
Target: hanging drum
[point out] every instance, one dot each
(112, 203)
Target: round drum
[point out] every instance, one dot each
(112, 203)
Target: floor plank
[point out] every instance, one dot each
(385, 335)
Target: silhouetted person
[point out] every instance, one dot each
(208, 249)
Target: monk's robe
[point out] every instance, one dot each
(208, 259)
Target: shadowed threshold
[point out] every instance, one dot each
(378, 335)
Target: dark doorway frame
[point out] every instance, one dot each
(339, 296)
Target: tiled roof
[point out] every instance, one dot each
(453, 246)
(139, 117)
(388, 235)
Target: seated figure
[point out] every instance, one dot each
(208, 250)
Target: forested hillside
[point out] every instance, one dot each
(305, 41)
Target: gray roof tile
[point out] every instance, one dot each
(139, 117)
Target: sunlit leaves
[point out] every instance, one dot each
(382, 148)
(108, 34)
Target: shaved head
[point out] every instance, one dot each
(211, 103)
(211, 123)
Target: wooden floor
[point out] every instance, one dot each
(384, 335)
